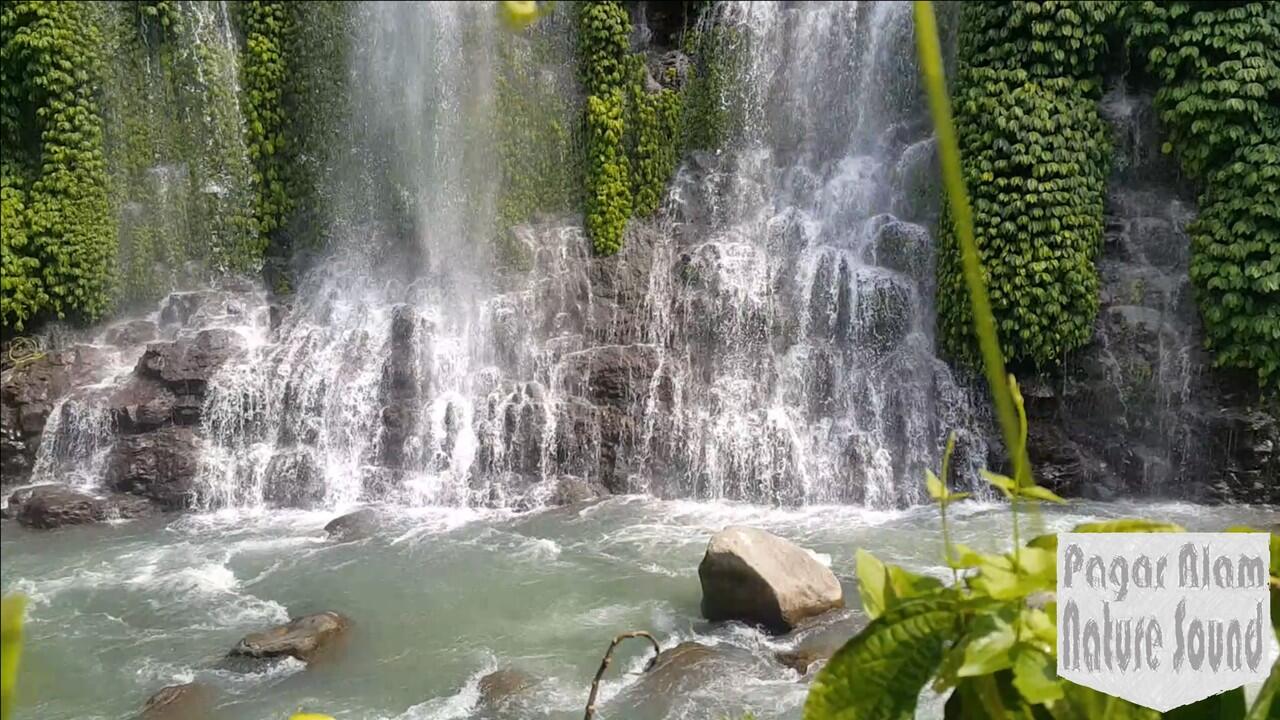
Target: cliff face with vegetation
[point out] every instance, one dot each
(1123, 159)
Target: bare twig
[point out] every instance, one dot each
(604, 665)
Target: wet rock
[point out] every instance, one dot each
(675, 666)
(353, 525)
(179, 702)
(51, 506)
(571, 490)
(185, 365)
(182, 308)
(612, 374)
(130, 333)
(756, 577)
(275, 316)
(502, 687)
(816, 640)
(28, 395)
(142, 406)
(293, 479)
(307, 638)
(159, 465)
(903, 247)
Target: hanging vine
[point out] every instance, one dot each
(59, 240)
(266, 29)
(1036, 156)
(1219, 99)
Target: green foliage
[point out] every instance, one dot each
(708, 121)
(1036, 156)
(11, 613)
(1219, 100)
(634, 131)
(266, 29)
(1048, 39)
(538, 131)
(316, 105)
(59, 243)
(657, 120)
(895, 654)
(608, 201)
(992, 636)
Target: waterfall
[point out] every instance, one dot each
(767, 337)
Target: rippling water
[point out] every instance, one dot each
(441, 597)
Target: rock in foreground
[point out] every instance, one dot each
(759, 578)
(45, 507)
(187, 701)
(305, 638)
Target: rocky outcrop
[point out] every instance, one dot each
(45, 507)
(402, 385)
(159, 465)
(307, 638)
(188, 701)
(293, 479)
(759, 578)
(185, 366)
(353, 525)
(130, 333)
(28, 395)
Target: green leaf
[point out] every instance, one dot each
(936, 489)
(1265, 705)
(1006, 484)
(989, 644)
(878, 674)
(1128, 525)
(1037, 492)
(1228, 705)
(1035, 675)
(880, 585)
(1082, 703)
(11, 614)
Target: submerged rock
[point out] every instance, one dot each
(756, 577)
(179, 702)
(818, 639)
(573, 490)
(51, 506)
(306, 638)
(353, 525)
(503, 687)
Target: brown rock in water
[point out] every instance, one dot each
(188, 701)
(759, 578)
(306, 638)
(353, 525)
(818, 639)
(45, 507)
(503, 686)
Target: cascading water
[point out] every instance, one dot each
(767, 338)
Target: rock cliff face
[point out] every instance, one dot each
(1141, 411)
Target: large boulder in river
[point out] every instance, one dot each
(306, 638)
(757, 577)
(160, 465)
(52, 506)
(179, 702)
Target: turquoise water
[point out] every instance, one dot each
(442, 596)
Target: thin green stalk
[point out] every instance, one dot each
(930, 53)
